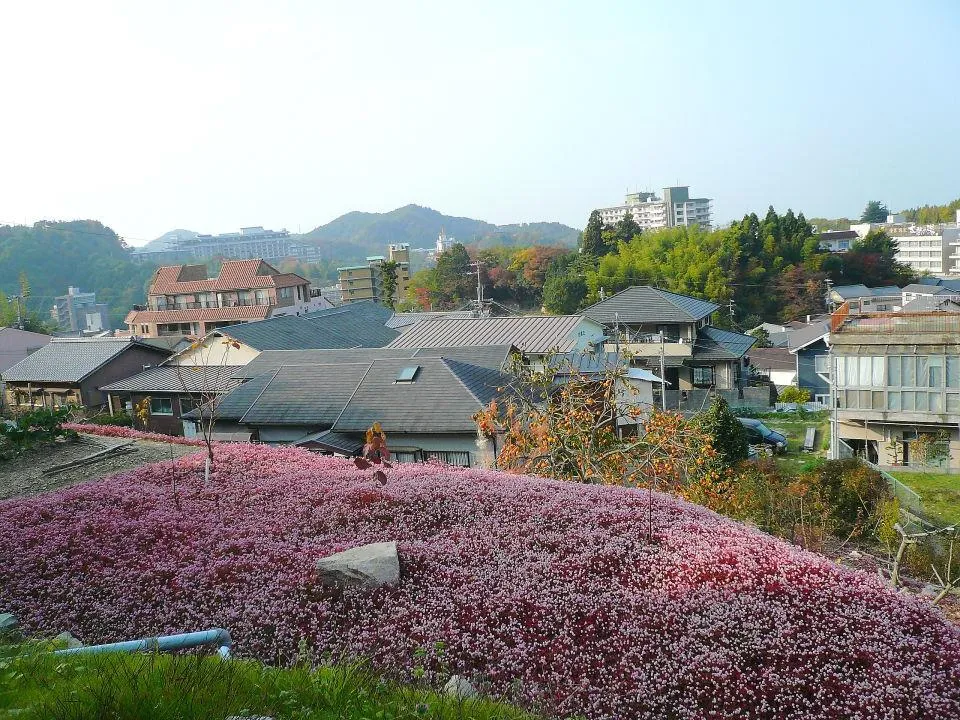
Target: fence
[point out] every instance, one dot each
(791, 407)
(908, 497)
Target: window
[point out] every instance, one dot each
(953, 371)
(908, 374)
(851, 363)
(893, 401)
(451, 457)
(865, 371)
(161, 406)
(953, 403)
(703, 376)
(893, 371)
(408, 374)
(877, 380)
(935, 371)
(822, 399)
(286, 292)
(821, 364)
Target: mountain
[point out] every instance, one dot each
(82, 253)
(358, 234)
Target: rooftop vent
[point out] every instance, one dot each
(408, 374)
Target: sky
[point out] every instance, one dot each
(211, 116)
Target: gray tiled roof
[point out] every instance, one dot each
(355, 325)
(801, 337)
(351, 397)
(924, 289)
(532, 333)
(716, 344)
(642, 304)
(406, 319)
(490, 356)
(178, 378)
(71, 359)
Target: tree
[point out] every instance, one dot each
(389, 272)
(762, 336)
(592, 240)
(627, 229)
(563, 294)
(872, 261)
(728, 436)
(874, 212)
(560, 423)
(24, 283)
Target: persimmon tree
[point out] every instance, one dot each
(592, 427)
(375, 452)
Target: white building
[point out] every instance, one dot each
(676, 208)
(931, 249)
(444, 243)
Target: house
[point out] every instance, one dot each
(810, 345)
(170, 391)
(837, 241)
(15, 345)
(360, 324)
(865, 299)
(664, 329)
(776, 334)
(941, 302)
(776, 363)
(71, 371)
(533, 335)
(183, 300)
(405, 320)
(897, 385)
(424, 403)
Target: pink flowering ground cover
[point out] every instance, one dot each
(125, 432)
(543, 592)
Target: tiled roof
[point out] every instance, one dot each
(535, 334)
(642, 304)
(407, 319)
(240, 312)
(233, 275)
(801, 337)
(178, 378)
(924, 289)
(350, 397)
(772, 359)
(356, 325)
(71, 360)
(494, 357)
(716, 344)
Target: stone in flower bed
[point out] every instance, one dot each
(370, 565)
(542, 591)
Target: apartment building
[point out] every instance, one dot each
(250, 243)
(365, 282)
(182, 300)
(897, 380)
(930, 249)
(79, 312)
(675, 208)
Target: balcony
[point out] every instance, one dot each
(652, 349)
(211, 304)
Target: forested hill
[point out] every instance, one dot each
(83, 253)
(360, 233)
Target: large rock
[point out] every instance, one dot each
(370, 565)
(459, 687)
(8, 623)
(67, 640)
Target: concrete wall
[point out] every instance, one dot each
(699, 399)
(214, 352)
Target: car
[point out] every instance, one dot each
(758, 433)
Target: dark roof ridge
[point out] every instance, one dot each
(259, 395)
(352, 395)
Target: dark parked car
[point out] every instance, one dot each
(758, 433)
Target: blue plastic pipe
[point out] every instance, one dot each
(217, 637)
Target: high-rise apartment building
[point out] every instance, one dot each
(650, 212)
(365, 282)
(932, 249)
(79, 311)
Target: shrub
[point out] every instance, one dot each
(544, 591)
(793, 394)
(33, 428)
(120, 419)
(729, 438)
(851, 490)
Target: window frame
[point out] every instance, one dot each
(161, 399)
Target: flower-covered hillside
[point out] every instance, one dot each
(542, 591)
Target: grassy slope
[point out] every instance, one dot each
(186, 687)
(939, 492)
(795, 428)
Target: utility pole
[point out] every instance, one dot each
(19, 312)
(829, 283)
(663, 379)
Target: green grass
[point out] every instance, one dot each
(35, 684)
(795, 429)
(939, 493)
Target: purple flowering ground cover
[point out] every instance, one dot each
(544, 592)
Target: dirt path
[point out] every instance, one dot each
(24, 476)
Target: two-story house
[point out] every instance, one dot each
(182, 300)
(664, 330)
(897, 380)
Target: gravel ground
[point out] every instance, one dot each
(24, 476)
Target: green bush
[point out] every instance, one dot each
(120, 419)
(728, 434)
(33, 428)
(851, 490)
(794, 395)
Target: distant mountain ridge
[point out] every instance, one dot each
(363, 233)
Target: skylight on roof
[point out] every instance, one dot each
(408, 374)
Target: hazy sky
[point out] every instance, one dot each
(211, 116)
